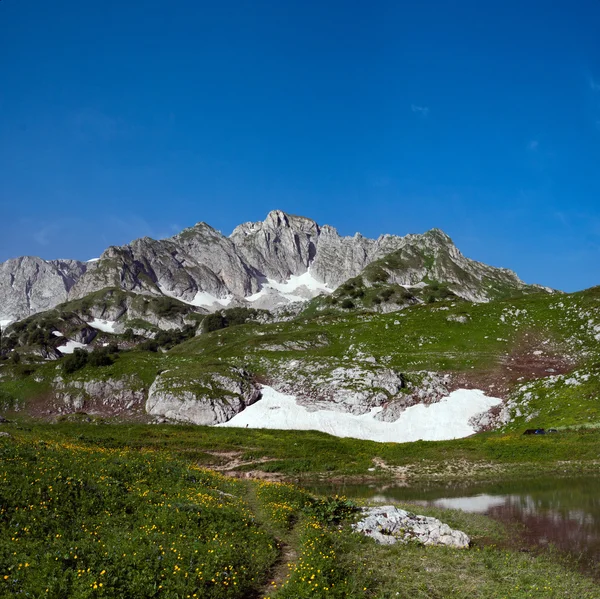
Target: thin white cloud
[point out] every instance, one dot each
(533, 145)
(422, 110)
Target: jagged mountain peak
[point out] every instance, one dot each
(263, 264)
(274, 221)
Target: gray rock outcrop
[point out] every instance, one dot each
(109, 396)
(324, 384)
(29, 285)
(209, 400)
(389, 525)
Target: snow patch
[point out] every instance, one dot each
(447, 419)
(92, 260)
(106, 326)
(70, 347)
(57, 333)
(205, 299)
(4, 322)
(202, 299)
(298, 288)
(420, 285)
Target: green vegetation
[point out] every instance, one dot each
(230, 318)
(310, 455)
(96, 517)
(102, 356)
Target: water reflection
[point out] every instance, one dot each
(562, 511)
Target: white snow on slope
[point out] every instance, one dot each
(106, 326)
(298, 288)
(4, 322)
(205, 299)
(70, 347)
(202, 299)
(447, 419)
(57, 333)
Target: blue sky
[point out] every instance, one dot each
(124, 119)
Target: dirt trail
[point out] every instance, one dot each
(232, 462)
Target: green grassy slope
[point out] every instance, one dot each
(82, 518)
(541, 352)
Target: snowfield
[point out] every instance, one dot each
(70, 347)
(202, 299)
(295, 289)
(106, 326)
(447, 419)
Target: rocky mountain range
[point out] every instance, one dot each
(265, 264)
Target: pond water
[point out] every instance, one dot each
(564, 512)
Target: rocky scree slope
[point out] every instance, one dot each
(264, 264)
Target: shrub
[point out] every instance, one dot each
(150, 345)
(213, 322)
(331, 510)
(171, 338)
(377, 275)
(167, 306)
(386, 294)
(347, 304)
(100, 357)
(236, 316)
(75, 361)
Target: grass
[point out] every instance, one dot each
(86, 518)
(79, 522)
(310, 455)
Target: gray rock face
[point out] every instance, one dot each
(211, 400)
(340, 258)
(202, 267)
(389, 525)
(29, 285)
(426, 388)
(114, 396)
(355, 389)
(281, 246)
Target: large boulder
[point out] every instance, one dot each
(389, 524)
(207, 398)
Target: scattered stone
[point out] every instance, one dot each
(461, 318)
(5, 434)
(389, 525)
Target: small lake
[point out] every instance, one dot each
(564, 512)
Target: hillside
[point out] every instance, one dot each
(537, 353)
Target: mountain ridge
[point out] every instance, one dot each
(203, 267)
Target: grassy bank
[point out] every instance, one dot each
(311, 454)
(83, 519)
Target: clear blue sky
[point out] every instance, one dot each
(124, 119)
